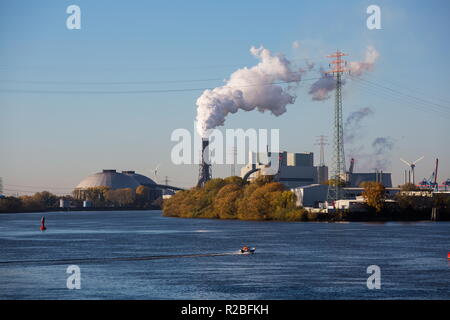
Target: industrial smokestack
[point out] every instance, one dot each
(204, 174)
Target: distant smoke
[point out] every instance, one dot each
(368, 157)
(377, 157)
(321, 89)
(381, 147)
(249, 89)
(352, 126)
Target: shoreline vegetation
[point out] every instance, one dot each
(232, 198)
(100, 198)
(266, 200)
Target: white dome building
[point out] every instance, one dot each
(141, 179)
(108, 178)
(115, 180)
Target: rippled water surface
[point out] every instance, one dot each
(142, 255)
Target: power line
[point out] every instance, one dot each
(37, 187)
(118, 82)
(415, 90)
(409, 102)
(106, 82)
(144, 91)
(406, 95)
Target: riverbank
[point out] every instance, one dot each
(266, 200)
(344, 216)
(78, 209)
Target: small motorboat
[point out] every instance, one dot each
(247, 250)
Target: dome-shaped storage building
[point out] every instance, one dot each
(141, 179)
(108, 178)
(114, 180)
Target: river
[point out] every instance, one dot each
(143, 255)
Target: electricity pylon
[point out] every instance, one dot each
(338, 165)
(322, 142)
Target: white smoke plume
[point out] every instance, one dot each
(321, 89)
(249, 89)
(358, 68)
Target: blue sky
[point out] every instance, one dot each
(53, 140)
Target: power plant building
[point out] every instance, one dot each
(294, 169)
(315, 195)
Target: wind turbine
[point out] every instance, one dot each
(155, 172)
(412, 165)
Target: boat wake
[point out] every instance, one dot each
(113, 259)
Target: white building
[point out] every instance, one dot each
(315, 195)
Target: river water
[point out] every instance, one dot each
(143, 255)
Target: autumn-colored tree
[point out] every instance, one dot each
(33, 203)
(95, 194)
(46, 198)
(10, 204)
(234, 180)
(231, 198)
(258, 205)
(121, 197)
(225, 202)
(374, 194)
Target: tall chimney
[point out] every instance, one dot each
(204, 173)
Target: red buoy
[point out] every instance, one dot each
(448, 256)
(42, 227)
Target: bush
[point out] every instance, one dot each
(230, 198)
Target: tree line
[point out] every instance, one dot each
(231, 198)
(264, 199)
(100, 197)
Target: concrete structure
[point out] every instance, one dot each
(357, 204)
(355, 179)
(115, 180)
(316, 195)
(141, 179)
(64, 203)
(108, 178)
(87, 204)
(295, 169)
